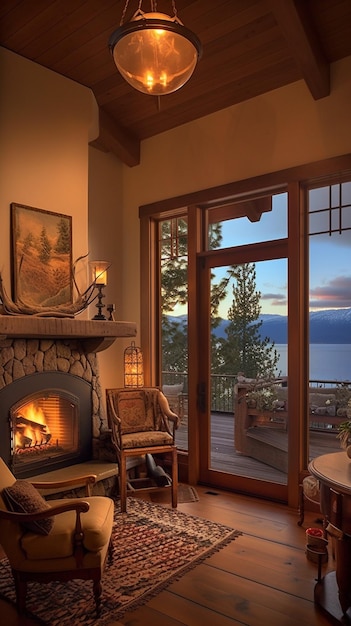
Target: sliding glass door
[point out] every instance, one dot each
(246, 370)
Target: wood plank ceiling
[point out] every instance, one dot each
(249, 48)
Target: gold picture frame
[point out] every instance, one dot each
(41, 257)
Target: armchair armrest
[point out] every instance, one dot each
(114, 420)
(170, 415)
(86, 480)
(71, 505)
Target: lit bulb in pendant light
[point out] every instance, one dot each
(155, 53)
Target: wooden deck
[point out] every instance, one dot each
(225, 458)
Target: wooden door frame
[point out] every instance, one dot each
(297, 179)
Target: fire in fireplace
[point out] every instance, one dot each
(29, 427)
(44, 427)
(48, 422)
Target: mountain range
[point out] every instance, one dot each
(329, 326)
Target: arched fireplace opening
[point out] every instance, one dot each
(46, 422)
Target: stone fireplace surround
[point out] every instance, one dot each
(33, 345)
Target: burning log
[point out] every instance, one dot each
(22, 441)
(30, 433)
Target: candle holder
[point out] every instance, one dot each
(99, 304)
(111, 309)
(99, 276)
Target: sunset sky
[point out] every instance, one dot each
(330, 258)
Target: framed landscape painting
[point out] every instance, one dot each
(41, 256)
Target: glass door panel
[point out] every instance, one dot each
(329, 315)
(173, 260)
(248, 370)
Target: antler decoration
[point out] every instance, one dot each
(62, 310)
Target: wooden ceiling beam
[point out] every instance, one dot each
(303, 43)
(113, 138)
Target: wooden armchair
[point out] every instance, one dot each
(141, 423)
(58, 540)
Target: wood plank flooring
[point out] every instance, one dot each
(263, 577)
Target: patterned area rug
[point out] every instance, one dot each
(154, 546)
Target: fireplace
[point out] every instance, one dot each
(49, 368)
(48, 422)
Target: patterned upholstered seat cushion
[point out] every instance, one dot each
(146, 439)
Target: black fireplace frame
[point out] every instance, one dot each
(41, 381)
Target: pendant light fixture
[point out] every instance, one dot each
(154, 52)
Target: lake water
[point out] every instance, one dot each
(327, 361)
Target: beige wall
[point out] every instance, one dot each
(46, 122)
(280, 129)
(106, 230)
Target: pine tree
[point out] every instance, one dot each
(174, 289)
(28, 243)
(45, 247)
(244, 350)
(174, 346)
(63, 243)
(174, 263)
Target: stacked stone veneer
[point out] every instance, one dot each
(21, 357)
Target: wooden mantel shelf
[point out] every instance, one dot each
(97, 334)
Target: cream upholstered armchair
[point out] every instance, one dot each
(141, 423)
(59, 540)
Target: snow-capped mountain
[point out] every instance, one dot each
(329, 326)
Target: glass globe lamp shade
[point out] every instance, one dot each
(99, 272)
(155, 53)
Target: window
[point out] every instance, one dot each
(173, 247)
(329, 209)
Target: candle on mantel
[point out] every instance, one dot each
(99, 272)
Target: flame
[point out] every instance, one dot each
(37, 433)
(33, 413)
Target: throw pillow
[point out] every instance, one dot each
(324, 410)
(22, 497)
(172, 390)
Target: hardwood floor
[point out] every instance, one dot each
(263, 577)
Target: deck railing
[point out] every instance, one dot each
(222, 388)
